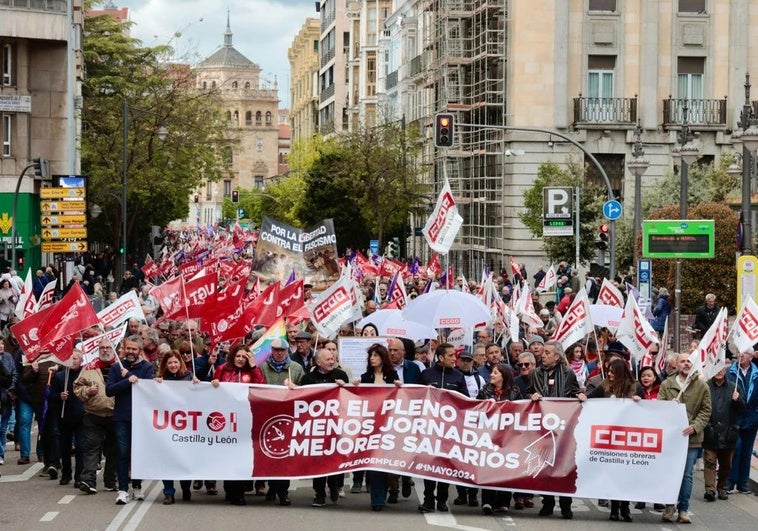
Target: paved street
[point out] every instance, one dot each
(33, 503)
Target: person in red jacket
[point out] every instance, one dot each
(240, 367)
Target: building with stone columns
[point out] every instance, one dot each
(304, 61)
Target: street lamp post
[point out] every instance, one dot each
(638, 166)
(749, 138)
(687, 152)
(162, 133)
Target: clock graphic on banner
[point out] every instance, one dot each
(275, 436)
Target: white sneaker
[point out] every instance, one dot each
(123, 498)
(341, 493)
(137, 495)
(2, 461)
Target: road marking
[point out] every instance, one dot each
(68, 498)
(26, 476)
(126, 509)
(49, 516)
(135, 520)
(443, 519)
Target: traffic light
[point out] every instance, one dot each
(393, 248)
(235, 196)
(603, 236)
(197, 198)
(40, 168)
(443, 130)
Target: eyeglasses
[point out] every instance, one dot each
(525, 364)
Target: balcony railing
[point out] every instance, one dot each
(58, 6)
(699, 112)
(590, 111)
(327, 93)
(391, 81)
(417, 65)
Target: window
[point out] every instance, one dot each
(236, 117)
(689, 88)
(268, 117)
(228, 156)
(602, 5)
(692, 6)
(600, 73)
(208, 191)
(227, 187)
(7, 65)
(228, 116)
(258, 117)
(247, 85)
(259, 182)
(234, 85)
(5, 135)
(249, 118)
(315, 45)
(213, 84)
(205, 85)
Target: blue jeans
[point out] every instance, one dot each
(123, 431)
(168, 486)
(25, 418)
(685, 491)
(743, 453)
(5, 417)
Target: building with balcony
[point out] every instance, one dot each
(41, 66)
(590, 69)
(304, 74)
(251, 107)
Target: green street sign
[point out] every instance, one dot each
(685, 238)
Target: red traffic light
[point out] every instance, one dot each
(235, 196)
(605, 229)
(443, 130)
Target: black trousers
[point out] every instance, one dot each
(439, 486)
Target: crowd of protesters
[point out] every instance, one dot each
(83, 412)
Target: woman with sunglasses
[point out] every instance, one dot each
(499, 388)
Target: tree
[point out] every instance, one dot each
(161, 175)
(700, 277)
(591, 199)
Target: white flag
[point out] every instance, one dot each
(745, 328)
(127, 306)
(577, 322)
(526, 309)
(711, 351)
(548, 281)
(634, 331)
(443, 225)
(610, 295)
(334, 307)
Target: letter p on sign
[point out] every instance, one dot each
(557, 203)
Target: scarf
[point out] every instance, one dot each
(278, 366)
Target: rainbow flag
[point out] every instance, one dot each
(262, 347)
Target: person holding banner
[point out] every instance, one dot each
(379, 370)
(69, 412)
(721, 435)
(325, 371)
(240, 367)
(744, 374)
(173, 369)
(98, 433)
(693, 392)
(120, 380)
(553, 380)
(442, 375)
(499, 388)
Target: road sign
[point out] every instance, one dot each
(557, 211)
(63, 206)
(60, 193)
(373, 246)
(64, 247)
(612, 209)
(57, 234)
(688, 238)
(76, 219)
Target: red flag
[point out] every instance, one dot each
(290, 298)
(170, 296)
(263, 309)
(434, 268)
(68, 316)
(190, 269)
(27, 333)
(150, 269)
(200, 293)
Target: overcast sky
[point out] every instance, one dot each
(263, 29)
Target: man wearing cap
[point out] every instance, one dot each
(537, 347)
(303, 354)
(474, 383)
(277, 370)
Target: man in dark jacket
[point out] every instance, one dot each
(706, 314)
(720, 435)
(745, 374)
(69, 411)
(325, 371)
(120, 380)
(443, 375)
(553, 380)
